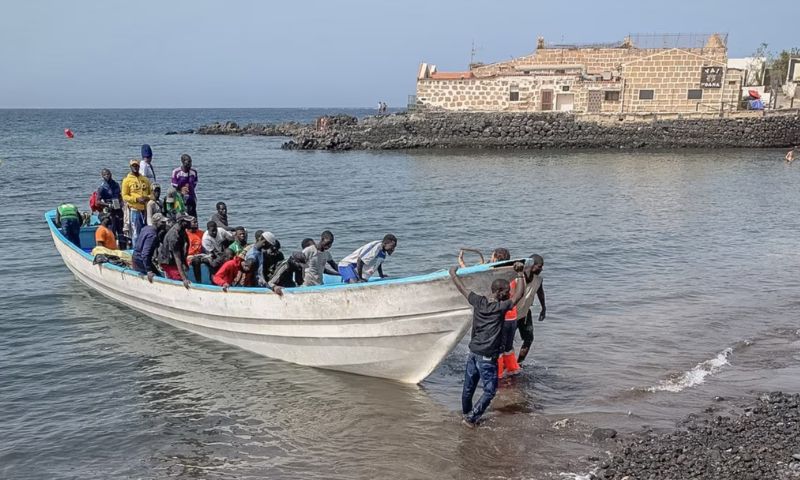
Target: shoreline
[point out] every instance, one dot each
(755, 439)
(475, 130)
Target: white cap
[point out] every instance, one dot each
(268, 236)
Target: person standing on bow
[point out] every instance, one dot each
(186, 175)
(136, 193)
(147, 163)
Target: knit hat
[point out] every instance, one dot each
(147, 152)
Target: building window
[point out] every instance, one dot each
(695, 94)
(513, 93)
(612, 96)
(646, 94)
(565, 88)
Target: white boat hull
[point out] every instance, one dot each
(398, 329)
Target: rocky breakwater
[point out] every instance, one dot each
(286, 129)
(429, 129)
(763, 442)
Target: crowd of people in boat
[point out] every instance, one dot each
(167, 241)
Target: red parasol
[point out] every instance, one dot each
(754, 93)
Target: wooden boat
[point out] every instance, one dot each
(399, 328)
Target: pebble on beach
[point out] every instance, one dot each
(763, 442)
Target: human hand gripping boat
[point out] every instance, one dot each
(399, 328)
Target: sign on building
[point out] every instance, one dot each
(711, 77)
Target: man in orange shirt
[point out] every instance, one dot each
(104, 237)
(194, 237)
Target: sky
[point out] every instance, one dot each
(316, 53)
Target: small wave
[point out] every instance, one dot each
(695, 376)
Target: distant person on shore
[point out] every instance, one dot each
(147, 246)
(522, 312)
(109, 198)
(104, 236)
(360, 265)
(791, 154)
(486, 341)
(154, 204)
(380, 107)
(172, 253)
(147, 163)
(136, 193)
(288, 274)
(319, 260)
(186, 175)
(68, 220)
(220, 217)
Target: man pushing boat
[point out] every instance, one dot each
(486, 342)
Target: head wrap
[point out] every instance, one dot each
(147, 152)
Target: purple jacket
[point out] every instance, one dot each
(181, 178)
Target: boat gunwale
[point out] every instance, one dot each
(414, 279)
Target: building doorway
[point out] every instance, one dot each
(565, 102)
(547, 100)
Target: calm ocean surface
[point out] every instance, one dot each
(671, 278)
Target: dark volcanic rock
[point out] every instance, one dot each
(431, 129)
(600, 434)
(761, 443)
(287, 129)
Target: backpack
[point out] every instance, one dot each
(93, 206)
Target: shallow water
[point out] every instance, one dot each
(671, 278)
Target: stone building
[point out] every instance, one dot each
(687, 75)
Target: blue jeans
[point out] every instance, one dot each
(137, 224)
(71, 228)
(485, 369)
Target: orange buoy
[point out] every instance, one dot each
(68, 133)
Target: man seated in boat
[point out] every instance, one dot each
(215, 241)
(289, 273)
(232, 272)
(360, 265)
(147, 246)
(172, 253)
(319, 260)
(239, 240)
(486, 340)
(104, 236)
(220, 217)
(265, 255)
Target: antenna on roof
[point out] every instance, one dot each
(472, 53)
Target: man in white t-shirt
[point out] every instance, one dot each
(319, 260)
(364, 262)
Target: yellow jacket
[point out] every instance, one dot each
(133, 187)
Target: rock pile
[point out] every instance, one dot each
(287, 129)
(437, 129)
(761, 443)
